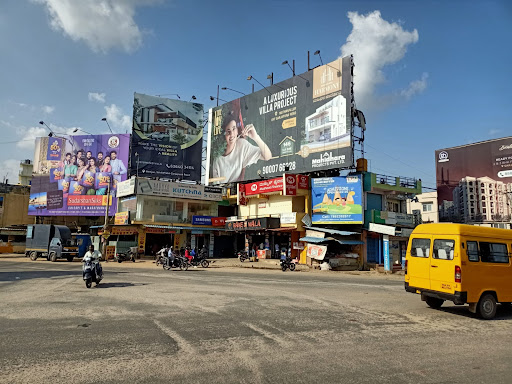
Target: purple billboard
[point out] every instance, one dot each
(78, 175)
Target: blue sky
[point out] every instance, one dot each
(429, 74)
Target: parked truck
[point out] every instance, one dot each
(50, 241)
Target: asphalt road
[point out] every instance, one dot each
(146, 325)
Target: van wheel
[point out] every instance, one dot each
(33, 255)
(487, 306)
(434, 302)
(53, 256)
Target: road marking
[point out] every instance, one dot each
(183, 344)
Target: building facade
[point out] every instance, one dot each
(25, 175)
(425, 209)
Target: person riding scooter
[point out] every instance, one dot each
(95, 256)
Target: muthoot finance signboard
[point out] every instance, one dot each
(299, 125)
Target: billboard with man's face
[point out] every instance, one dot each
(78, 175)
(474, 182)
(299, 125)
(167, 138)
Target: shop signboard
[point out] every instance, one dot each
(384, 229)
(303, 182)
(253, 224)
(475, 173)
(178, 190)
(235, 225)
(72, 176)
(265, 186)
(290, 184)
(167, 138)
(126, 188)
(337, 200)
(201, 220)
(316, 251)
(218, 221)
(300, 125)
(122, 218)
(288, 218)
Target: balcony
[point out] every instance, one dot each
(375, 181)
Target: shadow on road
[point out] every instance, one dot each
(45, 274)
(119, 285)
(503, 312)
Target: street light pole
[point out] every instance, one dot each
(106, 121)
(105, 224)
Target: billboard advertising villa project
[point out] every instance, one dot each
(73, 175)
(474, 182)
(167, 138)
(299, 125)
(337, 200)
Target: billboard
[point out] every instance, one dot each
(299, 125)
(167, 138)
(337, 200)
(474, 182)
(178, 190)
(72, 174)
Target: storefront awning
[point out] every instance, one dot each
(320, 240)
(189, 228)
(333, 231)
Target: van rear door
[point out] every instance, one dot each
(418, 262)
(442, 265)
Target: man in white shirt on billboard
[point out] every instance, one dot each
(118, 168)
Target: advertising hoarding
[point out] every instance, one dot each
(178, 190)
(72, 174)
(472, 176)
(337, 200)
(167, 138)
(299, 125)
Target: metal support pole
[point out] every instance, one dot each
(293, 70)
(218, 95)
(308, 62)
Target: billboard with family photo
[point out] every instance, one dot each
(167, 138)
(299, 125)
(74, 174)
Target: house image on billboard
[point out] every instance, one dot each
(163, 123)
(328, 123)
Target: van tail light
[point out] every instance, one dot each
(406, 261)
(457, 274)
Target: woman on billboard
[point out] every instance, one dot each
(239, 153)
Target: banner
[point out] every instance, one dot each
(474, 182)
(73, 174)
(167, 138)
(299, 125)
(178, 190)
(337, 200)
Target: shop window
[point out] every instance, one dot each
(443, 249)
(472, 250)
(493, 252)
(420, 247)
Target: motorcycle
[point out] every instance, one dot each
(125, 256)
(89, 270)
(242, 256)
(287, 263)
(179, 262)
(201, 260)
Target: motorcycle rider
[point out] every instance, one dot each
(170, 256)
(95, 256)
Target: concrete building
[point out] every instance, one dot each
(25, 175)
(425, 209)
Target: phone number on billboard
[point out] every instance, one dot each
(279, 167)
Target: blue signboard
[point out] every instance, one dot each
(385, 251)
(201, 220)
(337, 200)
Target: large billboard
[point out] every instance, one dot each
(73, 175)
(167, 138)
(337, 200)
(299, 125)
(474, 182)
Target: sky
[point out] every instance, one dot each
(428, 75)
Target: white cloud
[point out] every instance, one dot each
(10, 170)
(117, 119)
(101, 24)
(95, 96)
(375, 44)
(415, 87)
(494, 132)
(48, 109)
(28, 135)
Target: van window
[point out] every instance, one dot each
(30, 232)
(420, 247)
(443, 249)
(472, 251)
(493, 252)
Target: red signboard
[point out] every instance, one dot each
(290, 184)
(87, 200)
(218, 221)
(302, 182)
(266, 186)
(241, 195)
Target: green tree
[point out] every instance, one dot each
(179, 138)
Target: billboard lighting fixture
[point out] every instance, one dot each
(192, 98)
(320, 56)
(81, 130)
(46, 125)
(169, 94)
(293, 69)
(234, 90)
(253, 78)
(106, 121)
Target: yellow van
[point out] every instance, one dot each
(460, 263)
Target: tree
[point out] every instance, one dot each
(179, 138)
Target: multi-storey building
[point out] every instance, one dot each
(25, 175)
(425, 208)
